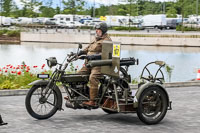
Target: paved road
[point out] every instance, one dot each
(184, 118)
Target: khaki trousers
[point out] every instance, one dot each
(95, 73)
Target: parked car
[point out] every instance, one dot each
(171, 23)
(74, 24)
(84, 20)
(50, 21)
(61, 24)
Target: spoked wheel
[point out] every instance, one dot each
(40, 106)
(152, 105)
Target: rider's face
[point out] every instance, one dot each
(98, 32)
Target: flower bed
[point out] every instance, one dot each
(18, 77)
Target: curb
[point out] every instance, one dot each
(18, 92)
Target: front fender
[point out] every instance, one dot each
(146, 86)
(39, 82)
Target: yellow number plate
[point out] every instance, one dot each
(116, 50)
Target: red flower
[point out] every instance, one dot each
(27, 70)
(43, 65)
(13, 71)
(35, 66)
(4, 67)
(6, 71)
(11, 66)
(19, 73)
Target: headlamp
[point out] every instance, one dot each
(51, 61)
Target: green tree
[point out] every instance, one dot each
(171, 10)
(16, 12)
(47, 10)
(29, 6)
(73, 6)
(57, 10)
(7, 7)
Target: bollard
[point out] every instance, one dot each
(198, 74)
(1, 122)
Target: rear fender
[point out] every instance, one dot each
(57, 90)
(146, 86)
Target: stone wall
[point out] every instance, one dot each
(87, 38)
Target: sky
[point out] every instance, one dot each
(90, 2)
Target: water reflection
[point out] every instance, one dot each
(184, 60)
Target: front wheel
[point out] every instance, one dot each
(41, 106)
(152, 105)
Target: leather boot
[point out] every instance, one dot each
(66, 98)
(90, 103)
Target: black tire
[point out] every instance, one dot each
(109, 111)
(154, 112)
(36, 92)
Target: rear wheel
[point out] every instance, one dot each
(152, 105)
(41, 106)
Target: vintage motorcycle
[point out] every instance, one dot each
(150, 100)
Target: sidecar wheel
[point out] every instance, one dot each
(152, 105)
(38, 106)
(109, 111)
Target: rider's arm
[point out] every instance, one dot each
(94, 57)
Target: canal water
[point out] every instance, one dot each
(184, 61)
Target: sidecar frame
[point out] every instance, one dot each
(135, 98)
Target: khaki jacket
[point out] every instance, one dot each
(96, 46)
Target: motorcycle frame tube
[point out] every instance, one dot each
(116, 97)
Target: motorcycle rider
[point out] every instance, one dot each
(94, 48)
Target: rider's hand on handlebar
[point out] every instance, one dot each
(70, 54)
(82, 57)
(81, 52)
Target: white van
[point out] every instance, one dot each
(154, 21)
(4, 21)
(64, 17)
